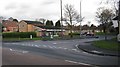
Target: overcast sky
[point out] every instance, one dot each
(48, 9)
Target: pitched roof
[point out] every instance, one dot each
(32, 22)
(46, 27)
(7, 23)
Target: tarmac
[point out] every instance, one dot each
(89, 48)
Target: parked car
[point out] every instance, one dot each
(90, 34)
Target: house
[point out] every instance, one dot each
(55, 31)
(31, 26)
(36, 26)
(28, 26)
(10, 26)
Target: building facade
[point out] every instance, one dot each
(10, 26)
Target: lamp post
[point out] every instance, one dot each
(119, 16)
(61, 18)
(118, 37)
(80, 18)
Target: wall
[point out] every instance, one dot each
(30, 28)
(23, 27)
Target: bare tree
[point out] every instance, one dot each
(105, 16)
(42, 20)
(113, 3)
(2, 18)
(71, 16)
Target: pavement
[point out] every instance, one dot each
(89, 48)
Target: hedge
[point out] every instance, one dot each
(74, 33)
(18, 34)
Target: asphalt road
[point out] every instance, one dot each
(60, 52)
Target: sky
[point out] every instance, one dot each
(48, 9)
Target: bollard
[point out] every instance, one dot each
(30, 36)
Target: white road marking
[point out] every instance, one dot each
(11, 49)
(25, 52)
(54, 46)
(23, 44)
(20, 51)
(32, 45)
(44, 46)
(77, 62)
(74, 49)
(85, 52)
(90, 54)
(76, 46)
(36, 46)
(54, 43)
(65, 48)
(96, 51)
(11, 43)
(77, 51)
(50, 46)
(84, 64)
(60, 47)
(71, 61)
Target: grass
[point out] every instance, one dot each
(102, 33)
(99, 33)
(109, 44)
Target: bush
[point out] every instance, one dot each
(74, 33)
(19, 34)
(46, 38)
(100, 33)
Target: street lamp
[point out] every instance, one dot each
(80, 18)
(61, 17)
(118, 37)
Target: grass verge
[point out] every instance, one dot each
(108, 44)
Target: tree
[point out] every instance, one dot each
(49, 23)
(93, 27)
(2, 18)
(42, 20)
(105, 16)
(114, 4)
(1, 27)
(70, 15)
(57, 24)
(15, 20)
(85, 27)
(100, 27)
(10, 19)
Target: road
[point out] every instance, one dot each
(60, 52)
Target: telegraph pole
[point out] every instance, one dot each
(80, 18)
(119, 16)
(61, 18)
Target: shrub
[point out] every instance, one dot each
(19, 34)
(74, 33)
